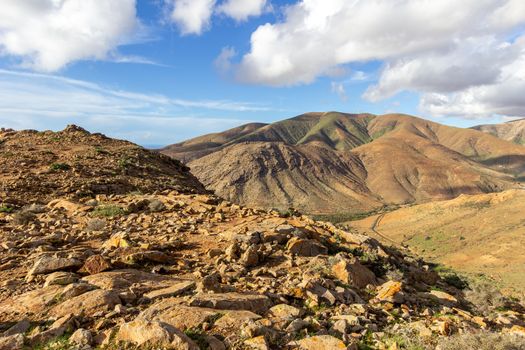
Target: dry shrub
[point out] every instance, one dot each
(483, 341)
(95, 225)
(156, 205)
(23, 217)
(486, 297)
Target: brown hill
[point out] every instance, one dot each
(74, 162)
(513, 131)
(335, 162)
(476, 234)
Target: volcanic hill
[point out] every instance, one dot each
(334, 162)
(513, 131)
(168, 266)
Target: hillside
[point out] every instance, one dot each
(76, 163)
(475, 234)
(335, 162)
(169, 267)
(513, 131)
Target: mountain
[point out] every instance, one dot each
(335, 162)
(150, 260)
(76, 163)
(472, 233)
(513, 131)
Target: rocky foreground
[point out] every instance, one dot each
(171, 269)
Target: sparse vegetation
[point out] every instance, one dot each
(100, 150)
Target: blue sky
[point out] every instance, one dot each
(158, 72)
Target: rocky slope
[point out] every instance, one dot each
(473, 234)
(513, 131)
(334, 162)
(170, 269)
(75, 163)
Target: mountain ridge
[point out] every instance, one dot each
(388, 159)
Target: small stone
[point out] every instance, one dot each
(95, 264)
(13, 342)
(257, 343)
(390, 291)
(444, 298)
(19, 328)
(250, 257)
(296, 325)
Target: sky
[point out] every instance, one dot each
(161, 71)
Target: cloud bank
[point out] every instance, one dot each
(459, 55)
(49, 34)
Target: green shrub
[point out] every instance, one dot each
(108, 211)
(59, 166)
(6, 208)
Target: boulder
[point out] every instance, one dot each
(319, 342)
(32, 303)
(47, 264)
(235, 319)
(61, 278)
(306, 247)
(88, 303)
(350, 271)
(233, 301)
(123, 279)
(172, 291)
(286, 311)
(143, 333)
(81, 337)
(171, 311)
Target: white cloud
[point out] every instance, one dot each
(503, 97)
(55, 101)
(240, 10)
(192, 16)
(431, 47)
(339, 89)
(49, 34)
(223, 62)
